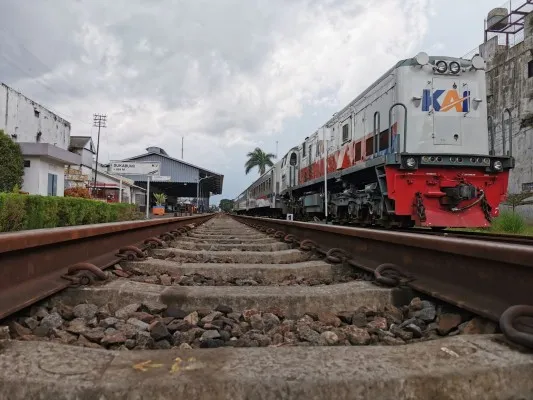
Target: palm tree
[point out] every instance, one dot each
(258, 158)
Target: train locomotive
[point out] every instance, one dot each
(412, 149)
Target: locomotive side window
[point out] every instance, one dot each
(345, 132)
(358, 151)
(369, 145)
(293, 159)
(303, 149)
(383, 140)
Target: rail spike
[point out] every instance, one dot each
(131, 253)
(337, 255)
(154, 242)
(167, 236)
(88, 273)
(509, 324)
(390, 274)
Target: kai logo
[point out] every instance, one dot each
(445, 100)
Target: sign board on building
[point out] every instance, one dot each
(160, 178)
(134, 168)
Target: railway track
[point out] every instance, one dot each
(256, 308)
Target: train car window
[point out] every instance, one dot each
(358, 151)
(293, 159)
(303, 149)
(311, 153)
(317, 150)
(345, 132)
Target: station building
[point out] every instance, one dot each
(187, 184)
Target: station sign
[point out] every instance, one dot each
(160, 178)
(134, 168)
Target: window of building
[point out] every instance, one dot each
(527, 187)
(52, 184)
(530, 69)
(27, 163)
(36, 113)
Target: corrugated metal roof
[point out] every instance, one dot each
(178, 170)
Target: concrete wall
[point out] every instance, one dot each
(24, 118)
(36, 176)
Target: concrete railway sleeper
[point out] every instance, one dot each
(231, 311)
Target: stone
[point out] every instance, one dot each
(447, 322)
(158, 330)
(162, 344)
(277, 311)
(426, 314)
(77, 326)
(143, 340)
(154, 307)
(416, 304)
(306, 333)
(404, 335)
(185, 346)
(345, 316)
(4, 332)
(42, 331)
(85, 311)
(277, 339)
(247, 314)
(192, 318)
(179, 325)
(356, 336)
(224, 309)
(142, 316)
(51, 321)
(329, 319)
(173, 310)
(65, 337)
(329, 337)
(392, 341)
(256, 322)
(137, 323)
(94, 335)
(270, 321)
(211, 334)
(202, 312)
(225, 335)
(110, 331)
(114, 338)
(212, 343)
(93, 323)
(18, 329)
(477, 326)
(65, 311)
(378, 323)
(234, 316)
(414, 329)
(125, 312)
(190, 335)
(150, 279)
(30, 322)
(38, 312)
(103, 312)
(108, 322)
(359, 319)
(83, 341)
(130, 344)
(393, 314)
(211, 316)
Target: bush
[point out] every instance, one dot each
(78, 192)
(21, 212)
(509, 222)
(12, 169)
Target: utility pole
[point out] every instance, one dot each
(276, 149)
(182, 147)
(99, 120)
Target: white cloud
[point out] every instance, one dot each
(224, 75)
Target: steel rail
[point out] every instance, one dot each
(486, 278)
(35, 264)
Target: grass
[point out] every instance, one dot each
(508, 223)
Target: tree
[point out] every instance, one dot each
(12, 169)
(226, 205)
(258, 158)
(518, 199)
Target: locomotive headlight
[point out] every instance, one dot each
(441, 66)
(454, 67)
(498, 166)
(410, 162)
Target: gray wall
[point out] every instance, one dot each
(177, 171)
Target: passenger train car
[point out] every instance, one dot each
(412, 149)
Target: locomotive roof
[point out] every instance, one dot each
(408, 62)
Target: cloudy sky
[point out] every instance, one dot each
(227, 75)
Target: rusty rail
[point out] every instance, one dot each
(38, 263)
(486, 278)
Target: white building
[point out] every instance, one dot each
(44, 139)
(108, 186)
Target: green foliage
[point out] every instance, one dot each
(226, 205)
(160, 198)
(12, 169)
(21, 212)
(258, 158)
(509, 222)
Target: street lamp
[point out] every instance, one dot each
(198, 189)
